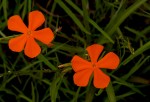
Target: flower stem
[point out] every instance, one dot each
(90, 94)
(111, 93)
(90, 91)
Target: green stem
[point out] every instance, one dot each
(90, 94)
(90, 91)
(111, 93)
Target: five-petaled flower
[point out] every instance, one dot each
(29, 34)
(84, 69)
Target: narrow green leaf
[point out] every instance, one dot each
(4, 4)
(90, 21)
(125, 95)
(29, 5)
(29, 66)
(101, 30)
(137, 52)
(2, 34)
(111, 93)
(52, 10)
(85, 14)
(123, 82)
(73, 5)
(33, 93)
(99, 92)
(72, 15)
(136, 67)
(75, 97)
(24, 12)
(46, 82)
(76, 36)
(120, 16)
(55, 86)
(25, 98)
(45, 60)
(137, 33)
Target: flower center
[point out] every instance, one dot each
(94, 65)
(28, 32)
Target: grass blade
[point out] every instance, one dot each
(137, 52)
(92, 22)
(45, 60)
(111, 93)
(72, 15)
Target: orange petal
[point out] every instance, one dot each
(79, 64)
(94, 51)
(32, 49)
(101, 80)
(45, 35)
(110, 61)
(81, 78)
(36, 19)
(17, 44)
(15, 23)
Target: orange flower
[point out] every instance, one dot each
(29, 34)
(84, 69)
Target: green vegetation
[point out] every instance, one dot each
(122, 26)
